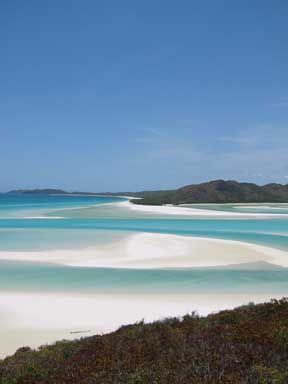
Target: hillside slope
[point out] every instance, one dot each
(248, 345)
(217, 191)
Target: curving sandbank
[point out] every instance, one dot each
(184, 211)
(152, 251)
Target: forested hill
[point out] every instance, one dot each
(217, 191)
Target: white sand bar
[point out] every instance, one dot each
(31, 319)
(149, 250)
(184, 211)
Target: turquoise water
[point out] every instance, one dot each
(31, 223)
(29, 277)
(12, 206)
(275, 208)
(27, 234)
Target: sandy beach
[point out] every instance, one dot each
(31, 319)
(184, 211)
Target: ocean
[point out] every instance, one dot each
(94, 262)
(33, 223)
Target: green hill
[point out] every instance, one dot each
(247, 345)
(217, 191)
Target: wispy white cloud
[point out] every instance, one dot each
(244, 139)
(281, 104)
(269, 177)
(255, 154)
(262, 136)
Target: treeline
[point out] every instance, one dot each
(217, 191)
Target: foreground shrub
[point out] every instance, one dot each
(247, 345)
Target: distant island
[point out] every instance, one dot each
(244, 345)
(216, 191)
(46, 191)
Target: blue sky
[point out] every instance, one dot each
(130, 95)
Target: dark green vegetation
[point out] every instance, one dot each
(47, 191)
(217, 191)
(247, 345)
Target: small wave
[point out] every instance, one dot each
(40, 217)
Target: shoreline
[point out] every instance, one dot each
(185, 211)
(35, 319)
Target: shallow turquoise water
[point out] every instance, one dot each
(275, 208)
(46, 234)
(20, 205)
(93, 220)
(31, 276)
